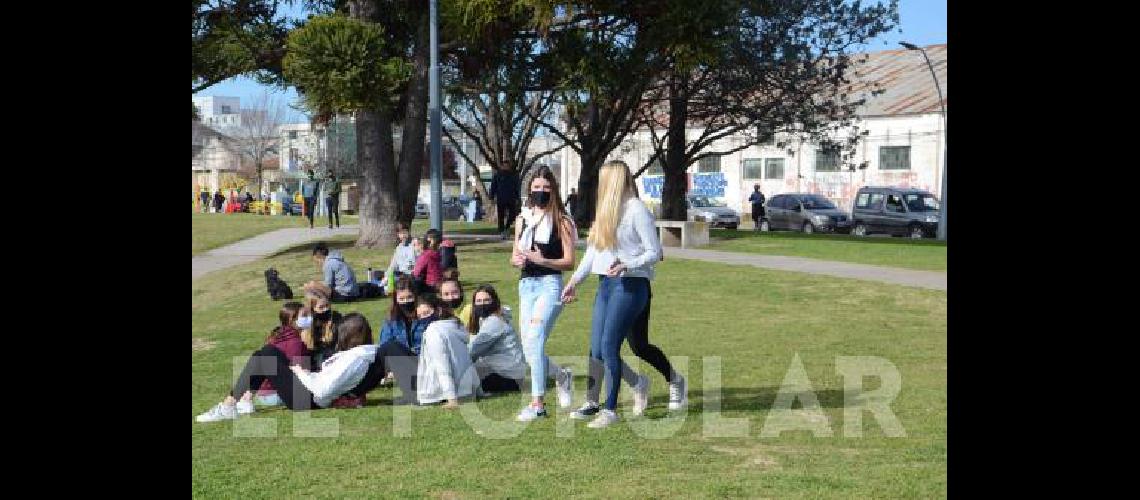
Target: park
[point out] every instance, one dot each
(816, 362)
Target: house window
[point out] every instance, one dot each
(753, 168)
(292, 135)
(774, 168)
(894, 158)
(827, 160)
(226, 110)
(709, 164)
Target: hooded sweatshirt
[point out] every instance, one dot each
(338, 275)
(288, 341)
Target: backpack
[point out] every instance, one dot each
(369, 290)
(278, 290)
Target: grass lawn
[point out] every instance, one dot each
(929, 255)
(756, 321)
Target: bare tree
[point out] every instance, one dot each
(257, 137)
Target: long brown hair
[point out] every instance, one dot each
(496, 306)
(402, 283)
(353, 330)
(555, 207)
(287, 317)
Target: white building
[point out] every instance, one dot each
(301, 145)
(219, 112)
(211, 157)
(905, 145)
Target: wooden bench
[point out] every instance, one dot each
(685, 234)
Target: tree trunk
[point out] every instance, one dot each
(587, 188)
(415, 124)
(676, 184)
(259, 181)
(379, 199)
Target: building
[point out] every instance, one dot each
(212, 157)
(905, 145)
(219, 112)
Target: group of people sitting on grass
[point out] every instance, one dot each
(440, 347)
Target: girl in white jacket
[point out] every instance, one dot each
(445, 372)
(349, 370)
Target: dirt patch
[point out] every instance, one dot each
(203, 345)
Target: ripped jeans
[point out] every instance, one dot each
(540, 302)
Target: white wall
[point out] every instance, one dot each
(923, 133)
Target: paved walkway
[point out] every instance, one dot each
(935, 280)
(272, 242)
(266, 244)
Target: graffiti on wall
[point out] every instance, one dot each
(709, 184)
(651, 185)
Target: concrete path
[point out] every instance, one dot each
(935, 280)
(269, 243)
(266, 244)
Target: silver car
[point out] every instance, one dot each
(806, 212)
(717, 214)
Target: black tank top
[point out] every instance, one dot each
(550, 250)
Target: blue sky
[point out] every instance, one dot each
(922, 22)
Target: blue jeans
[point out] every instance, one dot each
(618, 303)
(540, 303)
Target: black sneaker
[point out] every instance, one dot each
(586, 411)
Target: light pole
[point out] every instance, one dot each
(433, 115)
(945, 143)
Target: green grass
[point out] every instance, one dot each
(929, 255)
(755, 320)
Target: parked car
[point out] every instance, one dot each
(452, 210)
(806, 212)
(717, 214)
(895, 211)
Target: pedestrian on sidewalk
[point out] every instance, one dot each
(332, 198)
(757, 199)
(505, 192)
(309, 193)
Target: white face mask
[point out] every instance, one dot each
(304, 322)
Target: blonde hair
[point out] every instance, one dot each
(307, 334)
(615, 186)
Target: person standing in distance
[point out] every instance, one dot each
(309, 193)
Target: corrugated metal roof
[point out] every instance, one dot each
(905, 80)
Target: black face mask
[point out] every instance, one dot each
(323, 316)
(482, 310)
(407, 307)
(539, 198)
(454, 303)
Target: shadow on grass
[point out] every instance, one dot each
(730, 234)
(751, 399)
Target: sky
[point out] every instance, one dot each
(921, 22)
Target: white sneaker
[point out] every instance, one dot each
(641, 395)
(678, 394)
(586, 411)
(604, 419)
(531, 413)
(565, 383)
(219, 412)
(244, 407)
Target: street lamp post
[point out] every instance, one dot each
(433, 112)
(945, 142)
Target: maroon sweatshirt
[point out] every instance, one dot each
(288, 340)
